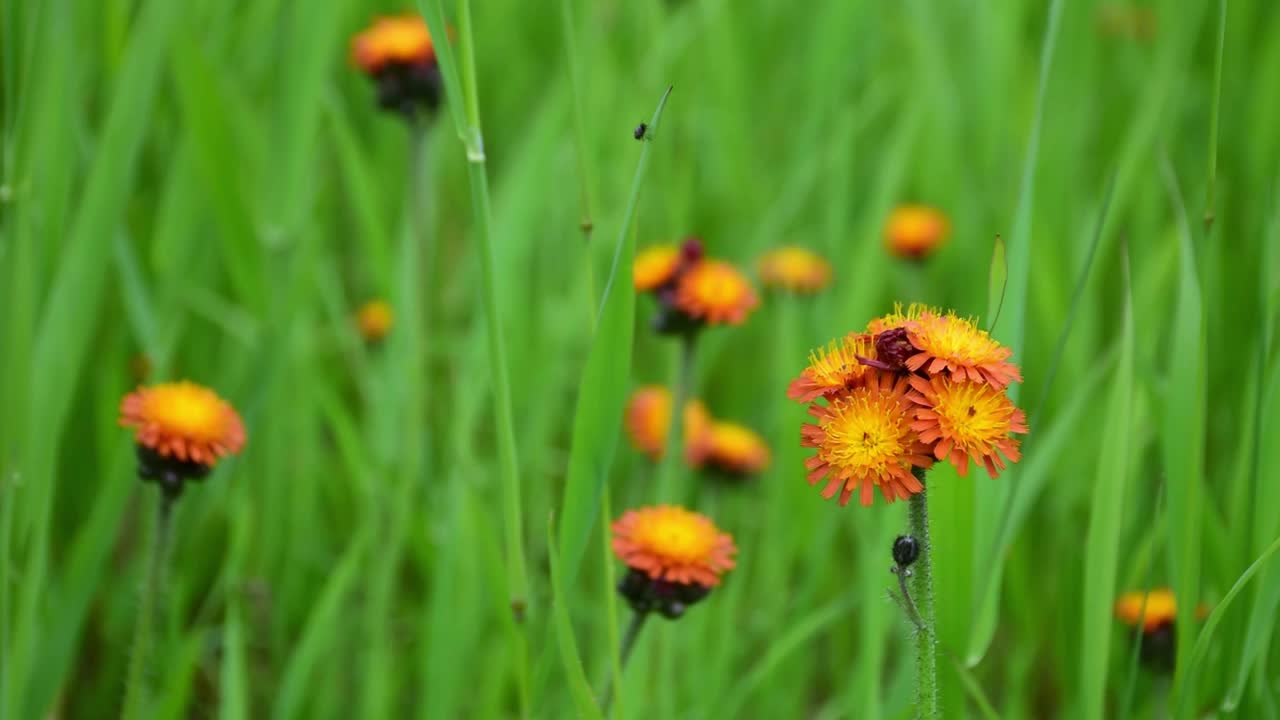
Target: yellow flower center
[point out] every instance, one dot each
(676, 535)
(186, 410)
(866, 432)
(974, 415)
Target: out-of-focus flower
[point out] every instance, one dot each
(374, 320)
(181, 430)
(675, 557)
(796, 269)
(655, 266)
(736, 450)
(1155, 615)
(648, 418)
(398, 54)
(691, 290)
(1127, 21)
(914, 232)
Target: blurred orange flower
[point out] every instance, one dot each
(374, 320)
(716, 293)
(736, 449)
(184, 421)
(648, 418)
(669, 543)
(400, 39)
(796, 269)
(915, 231)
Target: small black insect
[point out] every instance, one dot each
(640, 131)
(905, 550)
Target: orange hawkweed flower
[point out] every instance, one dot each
(864, 438)
(833, 369)
(736, 449)
(398, 54)
(655, 266)
(1161, 608)
(671, 544)
(716, 293)
(963, 420)
(648, 418)
(796, 269)
(374, 320)
(915, 231)
(955, 345)
(402, 39)
(183, 421)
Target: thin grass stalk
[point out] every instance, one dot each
(921, 584)
(464, 106)
(611, 600)
(673, 453)
(628, 645)
(138, 686)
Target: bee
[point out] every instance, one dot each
(641, 129)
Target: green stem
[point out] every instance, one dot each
(673, 453)
(926, 638)
(628, 644)
(137, 690)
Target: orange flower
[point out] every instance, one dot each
(864, 437)
(796, 269)
(403, 39)
(1161, 609)
(183, 421)
(832, 369)
(716, 293)
(915, 231)
(648, 418)
(672, 544)
(655, 266)
(963, 420)
(374, 320)
(736, 449)
(955, 345)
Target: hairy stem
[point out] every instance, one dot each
(138, 688)
(921, 585)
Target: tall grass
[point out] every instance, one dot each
(210, 184)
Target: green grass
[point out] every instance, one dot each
(210, 184)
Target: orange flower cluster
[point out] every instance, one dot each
(724, 446)
(914, 387)
(692, 290)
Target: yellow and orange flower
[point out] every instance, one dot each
(401, 39)
(716, 293)
(672, 544)
(655, 266)
(1161, 608)
(736, 449)
(915, 231)
(374, 320)
(796, 269)
(648, 418)
(963, 420)
(864, 439)
(183, 421)
(833, 369)
(956, 346)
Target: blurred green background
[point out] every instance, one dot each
(211, 185)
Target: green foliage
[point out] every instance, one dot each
(212, 185)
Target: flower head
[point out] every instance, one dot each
(182, 430)
(736, 449)
(670, 543)
(399, 55)
(962, 420)
(915, 231)
(864, 439)
(796, 269)
(648, 418)
(1147, 610)
(374, 320)
(655, 266)
(956, 346)
(833, 369)
(715, 293)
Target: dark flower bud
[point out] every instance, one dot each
(691, 251)
(894, 348)
(168, 472)
(668, 599)
(905, 550)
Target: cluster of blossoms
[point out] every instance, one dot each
(691, 289)
(727, 448)
(914, 387)
(674, 558)
(398, 55)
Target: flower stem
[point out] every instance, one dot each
(921, 583)
(137, 690)
(628, 644)
(674, 451)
